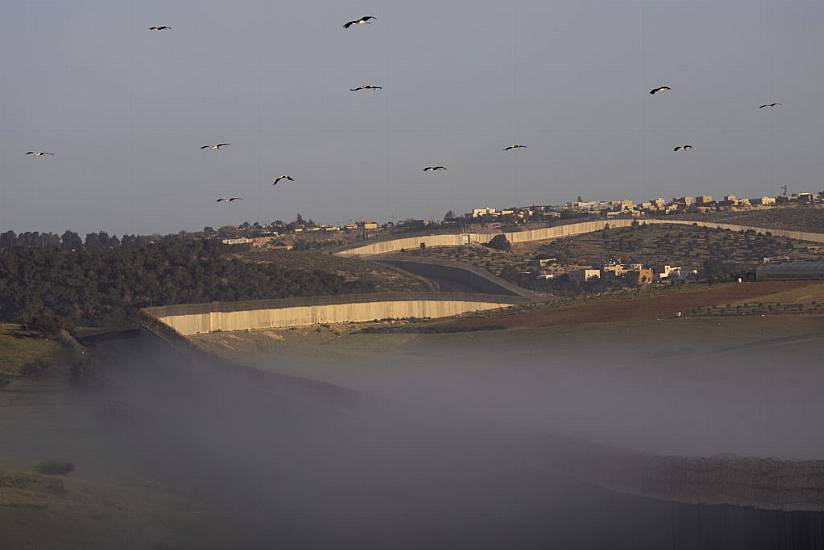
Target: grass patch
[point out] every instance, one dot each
(23, 352)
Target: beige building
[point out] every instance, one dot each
(481, 212)
(587, 274)
(703, 200)
(235, 242)
(668, 272)
(615, 270)
(622, 204)
(764, 201)
(640, 275)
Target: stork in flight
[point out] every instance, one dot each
(283, 177)
(229, 199)
(366, 88)
(434, 168)
(216, 146)
(365, 20)
(659, 89)
(159, 28)
(39, 154)
(516, 146)
(682, 148)
(769, 105)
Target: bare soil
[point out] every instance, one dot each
(631, 307)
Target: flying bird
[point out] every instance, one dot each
(769, 105)
(39, 154)
(216, 146)
(366, 88)
(160, 28)
(659, 89)
(229, 199)
(682, 148)
(283, 177)
(516, 146)
(365, 20)
(434, 168)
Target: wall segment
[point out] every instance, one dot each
(555, 232)
(190, 319)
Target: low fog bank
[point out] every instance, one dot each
(697, 388)
(434, 457)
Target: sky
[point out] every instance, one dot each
(125, 110)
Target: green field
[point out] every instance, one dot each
(22, 352)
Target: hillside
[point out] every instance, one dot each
(376, 276)
(685, 246)
(681, 245)
(793, 218)
(26, 353)
(105, 284)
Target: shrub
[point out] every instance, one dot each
(55, 468)
(47, 324)
(500, 242)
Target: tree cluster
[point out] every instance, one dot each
(106, 280)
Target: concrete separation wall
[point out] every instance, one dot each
(189, 319)
(555, 232)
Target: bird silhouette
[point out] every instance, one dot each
(434, 168)
(160, 28)
(516, 146)
(216, 146)
(39, 153)
(283, 177)
(229, 199)
(769, 105)
(659, 89)
(682, 148)
(365, 20)
(366, 88)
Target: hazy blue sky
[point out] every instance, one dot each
(125, 110)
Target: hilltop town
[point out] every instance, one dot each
(302, 233)
(638, 255)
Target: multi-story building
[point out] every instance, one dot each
(481, 212)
